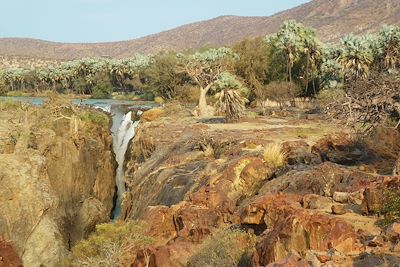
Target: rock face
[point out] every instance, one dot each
(188, 177)
(56, 184)
(293, 228)
(396, 170)
(374, 194)
(8, 257)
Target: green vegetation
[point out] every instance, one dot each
(8, 104)
(390, 208)
(231, 97)
(110, 244)
(287, 64)
(93, 117)
(280, 92)
(225, 248)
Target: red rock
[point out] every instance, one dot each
(341, 149)
(374, 193)
(338, 209)
(377, 241)
(312, 201)
(292, 228)
(8, 257)
(393, 232)
(323, 179)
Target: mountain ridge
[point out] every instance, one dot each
(331, 19)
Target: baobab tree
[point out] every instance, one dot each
(205, 68)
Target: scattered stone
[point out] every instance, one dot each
(357, 197)
(312, 201)
(377, 241)
(396, 248)
(313, 259)
(342, 197)
(338, 209)
(393, 232)
(324, 258)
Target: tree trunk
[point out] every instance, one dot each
(203, 109)
(313, 81)
(202, 102)
(307, 67)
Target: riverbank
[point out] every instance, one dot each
(57, 172)
(287, 187)
(189, 179)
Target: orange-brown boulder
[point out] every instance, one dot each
(293, 228)
(374, 193)
(338, 209)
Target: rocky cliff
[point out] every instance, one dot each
(56, 179)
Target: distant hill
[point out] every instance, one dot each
(331, 18)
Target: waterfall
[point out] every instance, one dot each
(121, 137)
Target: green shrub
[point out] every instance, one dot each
(15, 93)
(187, 94)
(328, 96)
(3, 88)
(93, 117)
(159, 100)
(103, 87)
(280, 92)
(225, 248)
(391, 208)
(148, 96)
(251, 114)
(8, 104)
(110, 244)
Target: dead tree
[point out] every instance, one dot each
(370, 103)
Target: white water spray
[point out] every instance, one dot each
(124, 134)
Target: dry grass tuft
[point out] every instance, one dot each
(152, 114)
(274, 155)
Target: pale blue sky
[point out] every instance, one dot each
(113, 20)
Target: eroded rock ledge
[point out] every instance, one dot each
(187, 178)
(56, 181)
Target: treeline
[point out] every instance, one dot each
(291, 62)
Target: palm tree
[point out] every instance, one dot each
(312, 50)
(389, 45)
(356, 57)
(231, 101)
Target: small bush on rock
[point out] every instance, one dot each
(391, 209)
(225, 248)
(110, 244)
